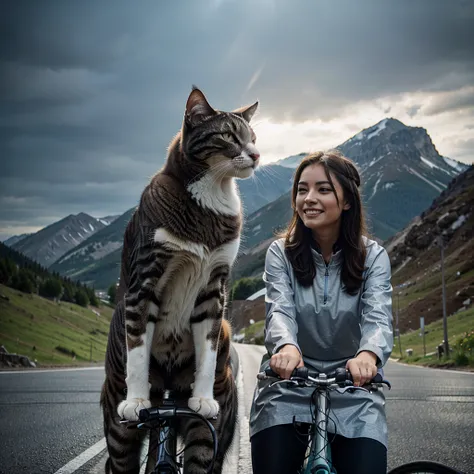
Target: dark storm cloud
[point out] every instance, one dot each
(93, 91)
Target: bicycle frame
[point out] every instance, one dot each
(165, 460)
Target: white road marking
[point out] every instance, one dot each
(83, 458)
(45, 371)
(244, 442)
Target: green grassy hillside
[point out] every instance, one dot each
(458, 325)
(52, 333)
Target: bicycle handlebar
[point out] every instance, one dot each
(147, 415)
(339, 376)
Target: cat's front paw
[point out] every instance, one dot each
(129, 409)
(207, 407)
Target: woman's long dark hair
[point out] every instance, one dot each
(298, 237)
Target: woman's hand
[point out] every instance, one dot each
(286, 360)
(362, 367)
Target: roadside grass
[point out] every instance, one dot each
(458, 325)
(52, 333)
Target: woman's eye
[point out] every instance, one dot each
(301, 190)
(324, 190)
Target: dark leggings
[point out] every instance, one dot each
(281, 450)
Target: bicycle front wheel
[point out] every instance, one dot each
(424, 467)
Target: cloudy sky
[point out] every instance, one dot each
(93, 91)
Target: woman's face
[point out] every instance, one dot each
(316, 202)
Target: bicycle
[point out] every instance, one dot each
(163, 454)
(318, 459)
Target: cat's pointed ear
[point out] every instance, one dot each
(247, 112)
(197, 108)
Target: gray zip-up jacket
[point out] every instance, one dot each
(329, 327)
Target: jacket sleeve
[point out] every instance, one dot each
(376, 310)
(280, 322)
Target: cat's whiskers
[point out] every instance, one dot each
(209, 170)
(268, 172)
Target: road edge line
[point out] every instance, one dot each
(73, 465)
(244, 444)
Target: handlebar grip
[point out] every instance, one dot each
(301, 372)
(269, 373)
(343, 375)
(377, 379)
(144, 415)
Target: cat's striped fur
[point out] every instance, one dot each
(169, 329)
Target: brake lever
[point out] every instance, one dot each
(351, 389)
(294, 382)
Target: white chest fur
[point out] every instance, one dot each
(220, 197)
(186, 275)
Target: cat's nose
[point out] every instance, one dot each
(254, 156)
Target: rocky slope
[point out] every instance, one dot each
(415, 255)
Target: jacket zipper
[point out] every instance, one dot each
(326, 277)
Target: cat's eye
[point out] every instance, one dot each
(230, 137)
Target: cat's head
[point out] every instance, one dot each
(222, 141)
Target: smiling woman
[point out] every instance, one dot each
(328, 306)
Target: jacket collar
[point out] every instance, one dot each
(318, 256)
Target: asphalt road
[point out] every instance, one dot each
(48, 418)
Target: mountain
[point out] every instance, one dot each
(49, 244)
(82, 261)
(267, 184)
(14, 239)
(108, 219)
(415, 256)
(402, 172)
(291, 161)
